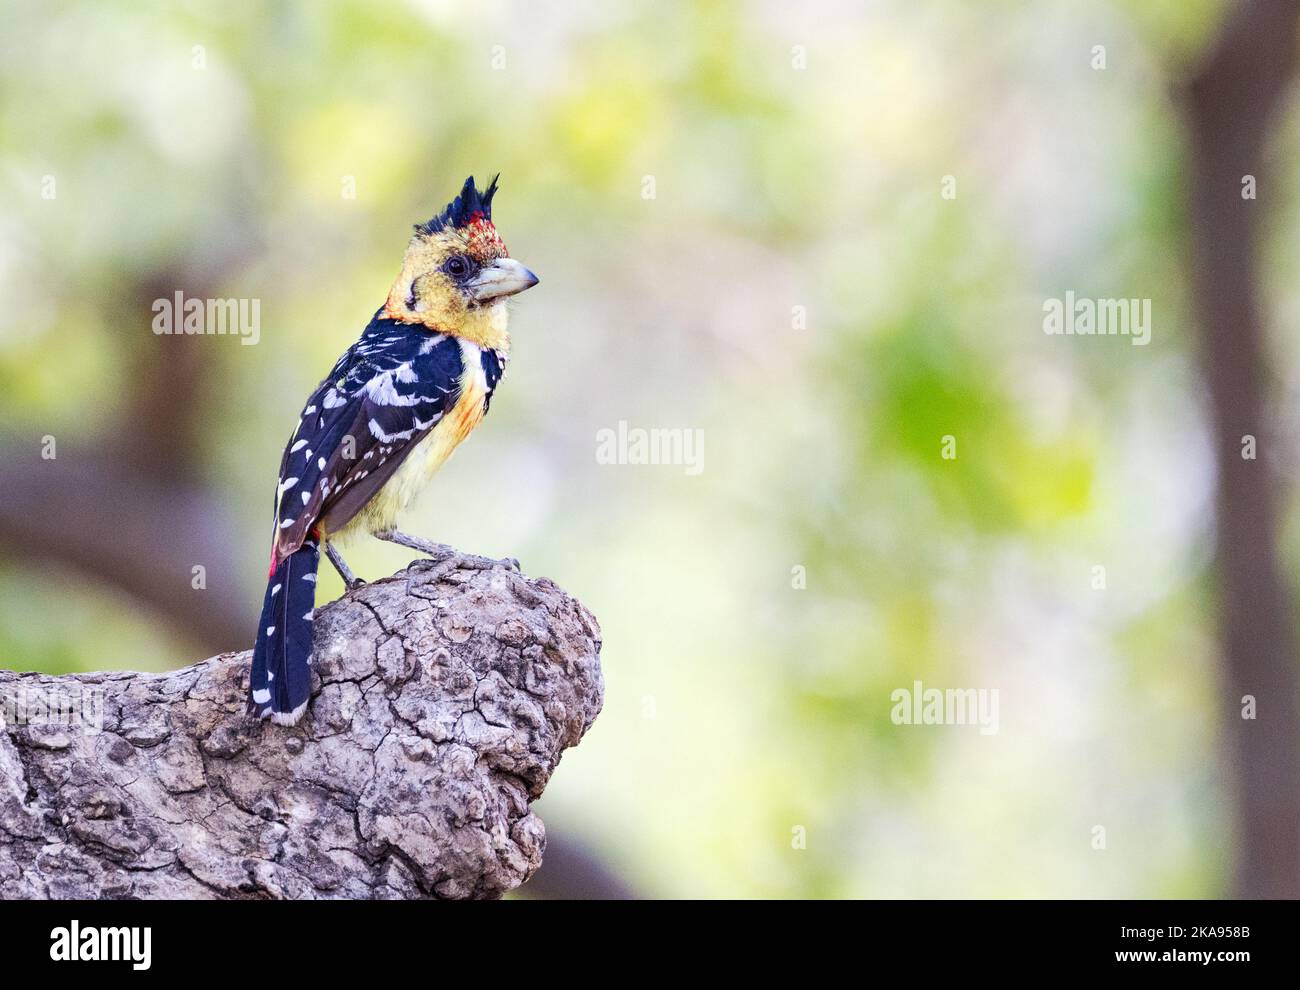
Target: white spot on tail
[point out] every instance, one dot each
(289, 718)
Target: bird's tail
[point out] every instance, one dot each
(280, 680)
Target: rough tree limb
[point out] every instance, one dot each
(443, 699)
(1231, 105)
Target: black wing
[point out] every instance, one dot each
(381, 399)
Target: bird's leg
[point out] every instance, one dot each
(439, 551)
(350, 580)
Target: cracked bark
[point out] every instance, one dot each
(442, 700)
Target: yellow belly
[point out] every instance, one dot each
(381, 512)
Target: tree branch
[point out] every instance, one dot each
(1231, 103)
(131, 532)
(443, 697)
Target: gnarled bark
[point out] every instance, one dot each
(445, 697)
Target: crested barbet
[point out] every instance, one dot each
(391, 411)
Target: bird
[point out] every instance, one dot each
(386, 417)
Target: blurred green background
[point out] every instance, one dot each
(797, 288)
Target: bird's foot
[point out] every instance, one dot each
(442, 552)
(436, 550)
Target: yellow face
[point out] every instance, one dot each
(456, 281)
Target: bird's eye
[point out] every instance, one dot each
(458, 266)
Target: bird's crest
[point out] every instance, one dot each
(471, 205)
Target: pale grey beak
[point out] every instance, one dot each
(504, 277)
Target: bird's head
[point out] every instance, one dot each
(456, 273)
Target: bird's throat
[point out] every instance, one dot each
(486, 325)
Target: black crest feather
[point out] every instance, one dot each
(468, 206)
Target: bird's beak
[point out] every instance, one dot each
(504, 277)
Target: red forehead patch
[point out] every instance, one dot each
(485, 243)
